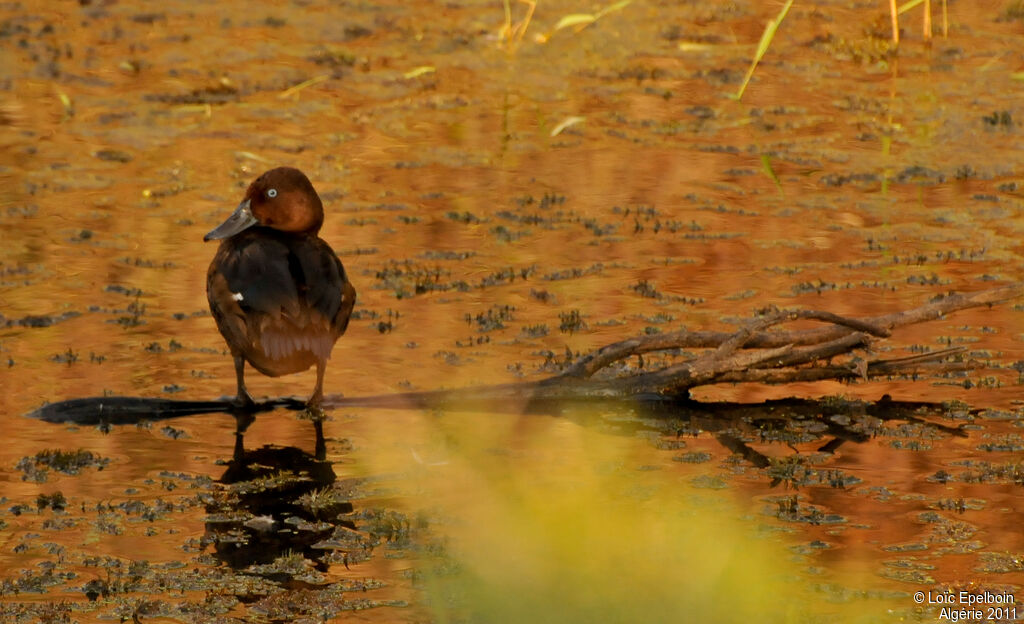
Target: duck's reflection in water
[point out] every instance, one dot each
(279, 515)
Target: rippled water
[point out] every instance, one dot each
(847, 179)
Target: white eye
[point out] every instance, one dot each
(272, 193)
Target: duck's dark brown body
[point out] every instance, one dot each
(280, 301)
(278, 292)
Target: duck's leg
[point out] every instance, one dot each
(318, 393)
(316, 413)
(242, 400)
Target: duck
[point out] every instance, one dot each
(277, 291)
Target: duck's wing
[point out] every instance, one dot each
(348, 301)
(325, 285)
(258, 275)
(250, 288)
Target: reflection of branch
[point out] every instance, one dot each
(741, 448)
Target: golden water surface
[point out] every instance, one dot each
(469, 174)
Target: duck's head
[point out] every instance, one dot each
(283, 199)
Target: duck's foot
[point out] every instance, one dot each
(243, 402)
(243, 408)
(314, 413)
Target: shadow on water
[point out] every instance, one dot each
(840, 420)
(123, 410)
(278, 502)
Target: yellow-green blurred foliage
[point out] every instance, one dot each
(537, 519)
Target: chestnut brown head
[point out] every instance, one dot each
(283, 199)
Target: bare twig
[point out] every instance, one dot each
(880, 326)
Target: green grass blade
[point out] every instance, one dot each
(766, 166)
(762, 47)
(568, 121)
(906, 6)
(575, 19)
(613, 7)
(419, 71)
(583, 20)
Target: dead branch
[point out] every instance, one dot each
(841, 327)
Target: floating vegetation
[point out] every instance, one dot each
(69, 357)
(534, 331)
(1000, 562)
(55, 501)
(135, 311)
(36, 321)
(409, 279)
(221, 92)
(998, 119)
(463, 217)
(693, 457)
(571, 322)
(387, 325)
(506, 235)
(646, 289)
(492, 319)
(148, 264)
(113, 155)
(594, 269)
(1009, 443)
(545, 297)
(36, 468)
